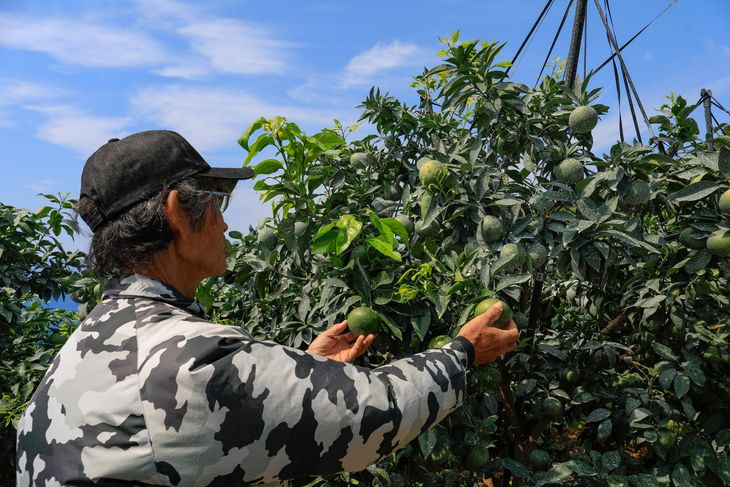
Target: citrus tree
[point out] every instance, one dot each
(615, 267)
(35, 272)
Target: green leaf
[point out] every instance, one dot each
(627, 240)
(582, 468)
(427, 441)
(267, 166)
(666, 377)
(325, 239)
(643, 480)
(598, 414)
(383, 230)
(663, 351)
(350, 228)
(694, 371)
(681, 476)
(397, 228)
(695, 191)
(243, 139)
(681, 385)
(384, 248)
(698, 261)
(517, 469)
(261, 143)
(604, 429)
(512, 280)
(421, 325)
(392, 326)
(611, 460)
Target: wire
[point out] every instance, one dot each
(717, 104)
(555, 39)
(671, 4)
(625, 71)
(532, 30)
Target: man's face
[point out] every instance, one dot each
(204, 250)
(211, 241)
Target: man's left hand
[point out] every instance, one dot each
(333, 345)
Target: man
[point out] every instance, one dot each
(148, 392)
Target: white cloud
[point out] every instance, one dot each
(67, 126)
(45, 185)
(77, 42)
(214, 117)
(361, 68)
(232, 46)
(13, 92)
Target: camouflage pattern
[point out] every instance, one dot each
(148, 392)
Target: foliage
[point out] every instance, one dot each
(630, 341)
(34, 269)
(620, 379)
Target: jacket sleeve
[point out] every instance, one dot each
(223, 407)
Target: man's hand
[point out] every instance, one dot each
(490, 342)
(343, 348)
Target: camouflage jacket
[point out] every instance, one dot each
(146, 391)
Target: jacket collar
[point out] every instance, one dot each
(139, 286)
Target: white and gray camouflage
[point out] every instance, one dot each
(148, 392)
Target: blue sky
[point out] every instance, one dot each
(76, 73)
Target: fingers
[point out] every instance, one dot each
(336, 329)
(511, 333)
(360, 346)
(492, 314)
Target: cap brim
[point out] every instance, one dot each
(235, 173)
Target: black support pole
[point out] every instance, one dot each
(571, 67)
(707, 96)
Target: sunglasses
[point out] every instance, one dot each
(222, 198)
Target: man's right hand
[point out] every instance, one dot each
(489, 341)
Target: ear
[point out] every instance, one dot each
(177, 217)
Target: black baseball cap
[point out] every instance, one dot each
(123, 172)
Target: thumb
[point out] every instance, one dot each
(336, 329)
(492, 314)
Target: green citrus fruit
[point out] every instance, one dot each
(406, 222)
(569, 171)
(477, 457)
(490, 377)
(516, 256)
(583, 119)
(503, 319)
(266, 237)
(428, 230)
(569, 376)
(540, 459)
(492, 228)
(552, 407)
(536, 255)
(363, 321)
(300, 228)
(429, 172)
(638, 193)
(358, 159)
(667, 438)
(719, 243)
(439, 341)
(724, 203)
(687, 239)
(392, 191)
(425, 203)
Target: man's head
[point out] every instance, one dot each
(149, 192)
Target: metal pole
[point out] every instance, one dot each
(707, 95)
(571, 67)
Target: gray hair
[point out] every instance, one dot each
(132, 239)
